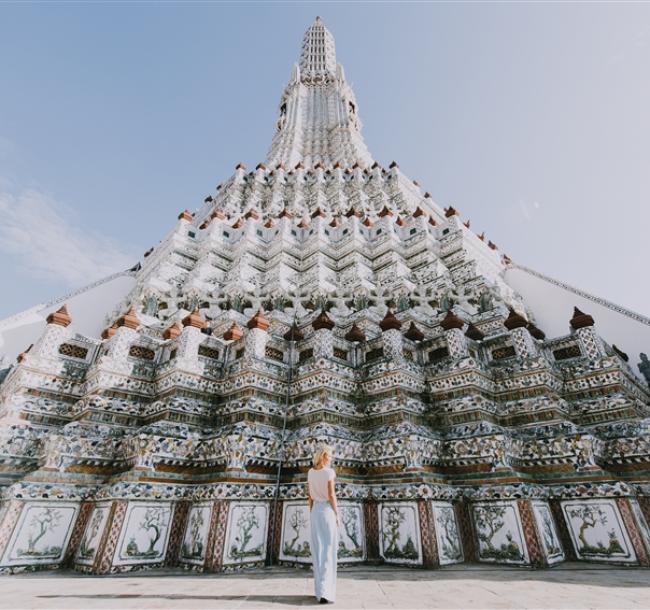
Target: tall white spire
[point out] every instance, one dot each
(318, 57)
(318, 116)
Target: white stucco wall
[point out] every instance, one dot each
(87, 310)
(553, 305)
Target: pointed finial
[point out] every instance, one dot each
(195, 319)
(515, 320)
(474, 333)
(355, 335)
(293, 334)
(234, 333)
(451, 320)
(390, 322)
(414, 333)
(580, 319)
(173, 331)
(536, 332)
(259, 321)
(129, 319)
(108, 332)
(318, 57)
(60, 317)
(323, 321)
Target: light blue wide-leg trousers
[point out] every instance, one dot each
(324, 546)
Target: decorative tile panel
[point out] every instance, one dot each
(92, 535)
(352, 546)
(42, 533)
(143, 538)
(597, 531)
(450, 548)
(399, 533)
(296, 533)
(551, 544)
(195, 537)
(499, 533)
(246, 533)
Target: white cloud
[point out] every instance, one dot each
(40, 234)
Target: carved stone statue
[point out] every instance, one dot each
(151, 306)
(403, 302)
(446, 302)
(644, 367)
(485, 302)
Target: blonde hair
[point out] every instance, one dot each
(320, 453)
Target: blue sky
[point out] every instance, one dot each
(531, 119)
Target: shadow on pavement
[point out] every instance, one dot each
(289, 600)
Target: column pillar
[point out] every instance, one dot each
(257, 336)
(392, 336)
(120, 338)
(323, 336)
(187, 354)
(590, 343)
(47, 346)
(456, 340)
(355, 336)
(522, 340)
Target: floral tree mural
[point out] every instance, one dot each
(87, 547)
(350, 545)
(247, 523)
(490, 520)
(193, 543)
(591, 518)
(297, 522)
(393, 517)
(548, 533)
(43, 521)
(154, 522)
(448, 534)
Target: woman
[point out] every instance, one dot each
(324, 524)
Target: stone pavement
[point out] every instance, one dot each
(469, 586)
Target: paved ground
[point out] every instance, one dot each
(476, 587)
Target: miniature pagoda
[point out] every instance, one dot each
(319, 297)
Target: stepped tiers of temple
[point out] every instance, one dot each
(321, 298)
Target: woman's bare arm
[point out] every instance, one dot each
(310, 502)
(331, 496)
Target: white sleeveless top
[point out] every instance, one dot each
(317, 480)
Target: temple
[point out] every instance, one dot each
(479, 411)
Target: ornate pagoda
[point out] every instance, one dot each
(167, 415)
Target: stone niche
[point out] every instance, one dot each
(399, 533)
(597, 531)
(36, 534)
